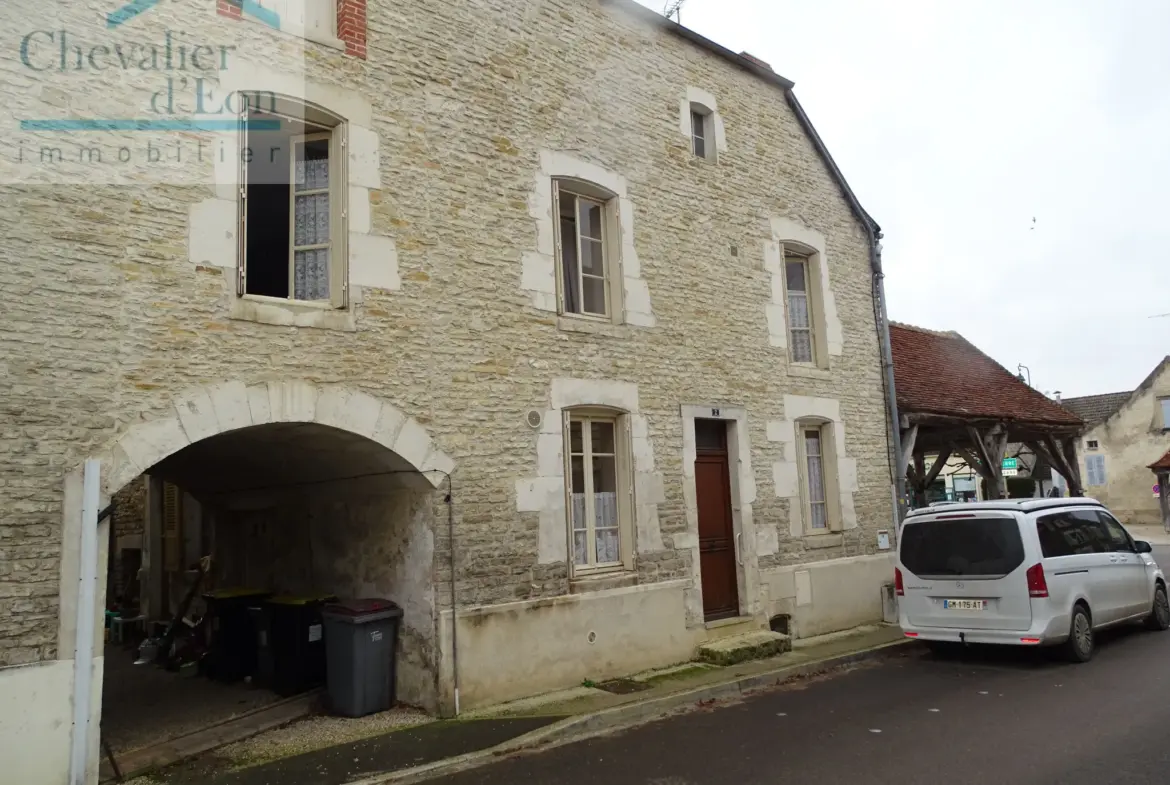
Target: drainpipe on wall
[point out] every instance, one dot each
(86, 628)
(454, 605)
(883, 327)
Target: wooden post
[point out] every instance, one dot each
(1164, 497)
(989, 449)
(909, 437)
(1070, 457)
(920, 482)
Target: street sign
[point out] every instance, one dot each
(1157, 491)
(1010, 467)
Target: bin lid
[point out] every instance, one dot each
(363, 607)
(307, 599)
(231, 594)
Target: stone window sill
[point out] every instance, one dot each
(284, 313)
(293, 31)
(573, 324)
(603, 581)
(809, 372)
(829, 540)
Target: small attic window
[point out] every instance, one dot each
(1091, 444)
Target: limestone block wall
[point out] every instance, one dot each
(120, 299)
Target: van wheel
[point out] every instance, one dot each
(1159, 618)
(1080, 645)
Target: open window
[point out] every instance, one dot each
(292, 203)
(599, 489)
(702, 132)
(588, 280)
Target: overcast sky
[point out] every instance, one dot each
(956, 124)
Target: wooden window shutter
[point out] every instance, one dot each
(339, 216)
(172, 545)
(242, 205)
(558, 262)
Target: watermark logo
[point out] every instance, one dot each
(144, 89)
(136, 7)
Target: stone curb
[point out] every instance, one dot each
(584, 726)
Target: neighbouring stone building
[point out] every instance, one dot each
(552, 315)
(1125, 433)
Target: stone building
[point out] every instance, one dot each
(551, 316)
(1124, 434)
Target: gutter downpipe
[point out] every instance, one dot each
(86, 627)
(874, 233)
(454, 605)
(879, 286)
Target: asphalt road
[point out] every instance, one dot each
(995, 716)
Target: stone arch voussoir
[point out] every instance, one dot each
(202, 412)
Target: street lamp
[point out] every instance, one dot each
(1020, 375)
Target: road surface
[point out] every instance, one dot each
(1004, 717)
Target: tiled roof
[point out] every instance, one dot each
(943, 373)
(1162, 464)
(1095, 409)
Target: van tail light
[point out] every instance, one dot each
(899, 589)
(1037, 584)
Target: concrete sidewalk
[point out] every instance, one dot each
(439, 748)
(1154, 535)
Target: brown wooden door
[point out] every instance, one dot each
(717, 562)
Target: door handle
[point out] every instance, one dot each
(739, 548)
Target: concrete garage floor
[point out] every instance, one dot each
(144, 705)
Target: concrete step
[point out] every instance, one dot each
(736, 625)
(756, 645)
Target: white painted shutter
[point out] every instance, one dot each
(1100, 469)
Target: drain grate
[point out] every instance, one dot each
(623, 686)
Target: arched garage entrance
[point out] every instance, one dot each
(283, 487)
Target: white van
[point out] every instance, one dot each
(1026, 572)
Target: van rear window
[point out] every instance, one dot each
(985, 547)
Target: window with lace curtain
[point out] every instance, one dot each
(818, 477)
(293, 232)
(802, 346)
(599, 491)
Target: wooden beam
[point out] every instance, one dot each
(920, 473)
(940, 461)
(909, 437)
(1056, 458)
(971, 460)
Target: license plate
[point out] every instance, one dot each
(964, 605)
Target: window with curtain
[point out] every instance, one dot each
(814, 457)
(800, 323)
(292, 216)
(595, 482)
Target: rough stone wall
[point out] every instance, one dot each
(1130, 440)
(350, 540)
(107, 318)
(129, 522)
